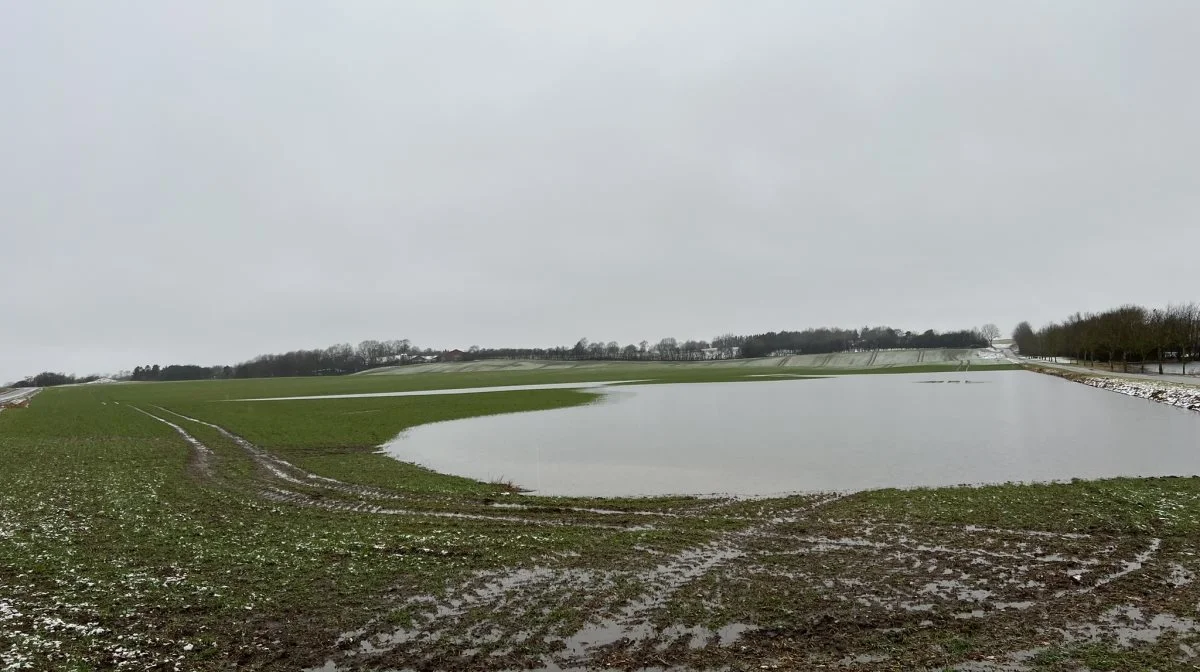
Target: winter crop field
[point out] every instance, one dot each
(170, 526)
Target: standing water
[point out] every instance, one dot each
(845, 433)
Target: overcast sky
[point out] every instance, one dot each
(203, 182)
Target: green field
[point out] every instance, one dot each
(273, 537)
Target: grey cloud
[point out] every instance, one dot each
(202, 183)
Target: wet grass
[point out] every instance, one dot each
(1159, 506)
(116, 552)
(122, 546)
(339, 437)
(105, 534)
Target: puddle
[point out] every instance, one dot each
(1179, 575)
(584, 509)
(1127, 567)
(1133, 565)
(1018, 606)
(865, 659)
(954, 590)
(578, 646)
(916, 607)
(1129, 625)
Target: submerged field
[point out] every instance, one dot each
(162, 526)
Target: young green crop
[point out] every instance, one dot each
(122, 545)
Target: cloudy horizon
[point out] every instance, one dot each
(205, 183)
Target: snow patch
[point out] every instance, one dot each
(1180, 396)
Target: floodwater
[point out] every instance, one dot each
(833, 434)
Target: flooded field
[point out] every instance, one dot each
(275, 535)
(835, 434)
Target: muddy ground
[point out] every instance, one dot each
(808, 590)
(801, 583)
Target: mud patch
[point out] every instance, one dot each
(559, 615)
(793, 590)
(1128, 625)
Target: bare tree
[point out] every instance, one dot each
(1129, 332)
(1084, 328)
(1184, 329)
(989, 331)
(668, 348)
(1160, 333)
(370, 352)
(1131, 326)
(1194, 330)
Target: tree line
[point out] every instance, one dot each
(51, 378)
(344, 358)
(732, 346)
(729, 346)
(1128, 334)
(179, 372)
(334, 360)
(821, 341)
